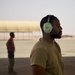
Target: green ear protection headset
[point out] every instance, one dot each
(47, 27)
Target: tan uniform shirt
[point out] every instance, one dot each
(47, 55)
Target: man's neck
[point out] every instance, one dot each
(48, 38)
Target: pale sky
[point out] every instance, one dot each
(35, 10)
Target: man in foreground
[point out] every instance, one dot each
(45, 57)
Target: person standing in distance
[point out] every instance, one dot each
(46, 57)
(11, 49)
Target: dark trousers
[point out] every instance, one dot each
(11, 60)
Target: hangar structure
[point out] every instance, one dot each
(19, 26)
(22, 29)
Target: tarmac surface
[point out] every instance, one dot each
(22, 62)
(22, 66)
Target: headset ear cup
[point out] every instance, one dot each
(47, 27)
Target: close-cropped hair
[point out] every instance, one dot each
(11, 33)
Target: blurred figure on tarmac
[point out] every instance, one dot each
(10, 50)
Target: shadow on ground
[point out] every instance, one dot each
(22, 66)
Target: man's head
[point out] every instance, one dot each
(50, 25)
(12, 34)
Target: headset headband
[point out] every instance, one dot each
(48, 19)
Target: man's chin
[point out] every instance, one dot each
(56, 36)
